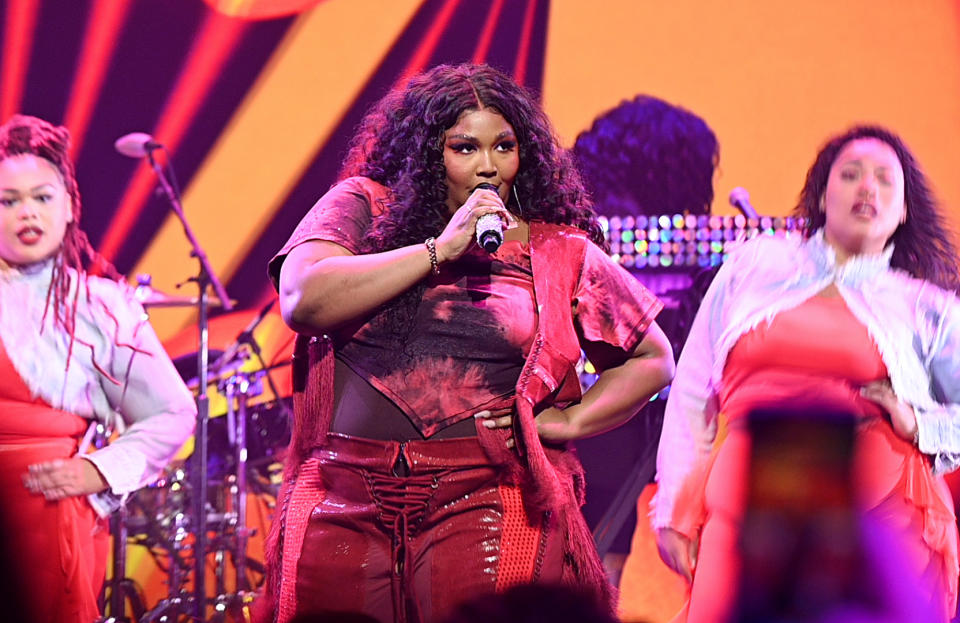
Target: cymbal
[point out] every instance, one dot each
(149, 297)
(187, 364)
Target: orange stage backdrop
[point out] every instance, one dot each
(255, 113)
(773, 79)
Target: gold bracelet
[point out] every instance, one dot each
(431, 244)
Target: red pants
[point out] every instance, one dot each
(55, 551)
(407, 548)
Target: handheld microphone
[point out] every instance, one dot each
(136, 144)
(489, 226)
(740, 199)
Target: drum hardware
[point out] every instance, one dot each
(120, 589)
(230, 543)
(167, 528)
(240, 456)
(246, 339)
(148, 297)
(238, 389)
(168, 610)
(206, 278)
(159, 517)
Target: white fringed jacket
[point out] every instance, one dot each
(915, 325)
(143, 398)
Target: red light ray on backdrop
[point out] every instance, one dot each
(19, 24)
(261, 9)
(429, 44)
(99, 41)
(523, 52)
(486, 36)
(213, 45)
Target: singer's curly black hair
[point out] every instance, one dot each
(922, 244)
(400, 145)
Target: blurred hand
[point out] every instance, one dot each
(678, 552)
(62, 478)
(902, 417)
(460, 231)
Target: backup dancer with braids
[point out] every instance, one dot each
(75, 350)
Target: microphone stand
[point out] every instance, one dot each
(205, 277)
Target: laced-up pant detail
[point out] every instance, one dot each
(406, 531)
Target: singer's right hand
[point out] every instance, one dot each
(459, 233)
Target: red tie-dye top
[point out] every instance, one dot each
(465, 346)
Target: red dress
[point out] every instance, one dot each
(818, 351)
(56, 551)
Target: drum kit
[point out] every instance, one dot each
(247, 434)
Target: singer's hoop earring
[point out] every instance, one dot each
(517, 197)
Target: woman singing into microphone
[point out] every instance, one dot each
(431, 455)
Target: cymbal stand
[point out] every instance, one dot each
(251, 341)
(238, 389)
(175, 540)
(122, 588)
(205, 279)
(119, 586)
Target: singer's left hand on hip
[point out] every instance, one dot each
(498, 418)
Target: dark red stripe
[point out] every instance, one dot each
(483, 45)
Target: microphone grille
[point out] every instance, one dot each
(132, 145)
(739, 195)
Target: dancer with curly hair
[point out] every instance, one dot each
(646, 156)
(859, 316)
(436, 394)
(649, 157)
(76, 352)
